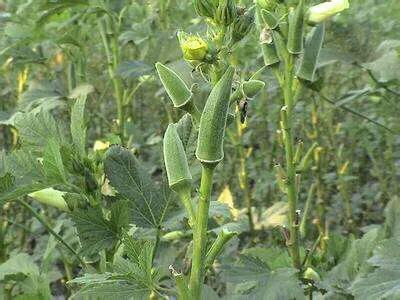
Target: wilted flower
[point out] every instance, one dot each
(321, 12)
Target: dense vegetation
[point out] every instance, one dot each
(206, 149)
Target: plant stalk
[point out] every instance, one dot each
(200, 232)
(286, 121)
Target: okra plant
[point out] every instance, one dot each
(291, 38)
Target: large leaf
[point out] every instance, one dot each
(36, 129)
(95, 232)
(149, 203)
(256, 280)
(20, 263)
(384, 282)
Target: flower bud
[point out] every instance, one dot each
(321, 12)
(226, 12)
(175, 160)
(252, 87)
(50, 197)
(267, 4)
(242, 26)
(311, 274)
(175, 87)
(194, 48)
(213, 121)
(205, 8)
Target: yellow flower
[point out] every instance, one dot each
(321, 12)
(100, 145)
(193, 47)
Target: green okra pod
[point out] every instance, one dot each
(176, 165)
(175, 87)
(296, 24)
(175, 159)
(308, 63)
(269, 19)
(213, 121)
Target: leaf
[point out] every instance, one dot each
(25, 175)
(36, 129)
(149, 203)
(20, 263)
(104, 286)
(95, 232)
(383, 283)
(257, 281)
(386, 67)
(53, 163)
(392, 213)
(78, 128)
(354, 262)
(133, 69)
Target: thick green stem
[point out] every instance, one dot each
(286, 121)
(50, 230)
(200, 232)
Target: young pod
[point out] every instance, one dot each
(175, 161)
(213, 121)
(296, 24)
(226, 12)
(242, 26)
(252, 87)
(205, 8)
(175, 87)
(308, 63)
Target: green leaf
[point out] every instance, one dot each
(53, 163)
(383, 283)
(95, 232)
(20, 263)
(354, 263)
(25, 175)
(106, 286)
(36, 129)
(133, 69)
(149, 203)
(78, 128)
(392, 215)
(256, 280)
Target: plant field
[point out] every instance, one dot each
(199, 149)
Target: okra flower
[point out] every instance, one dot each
(321, 12)
(194, 48)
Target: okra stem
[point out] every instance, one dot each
(200, 232)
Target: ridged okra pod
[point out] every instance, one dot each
(178, 173)
(213, 121)
(296, 24)
(177, 90)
